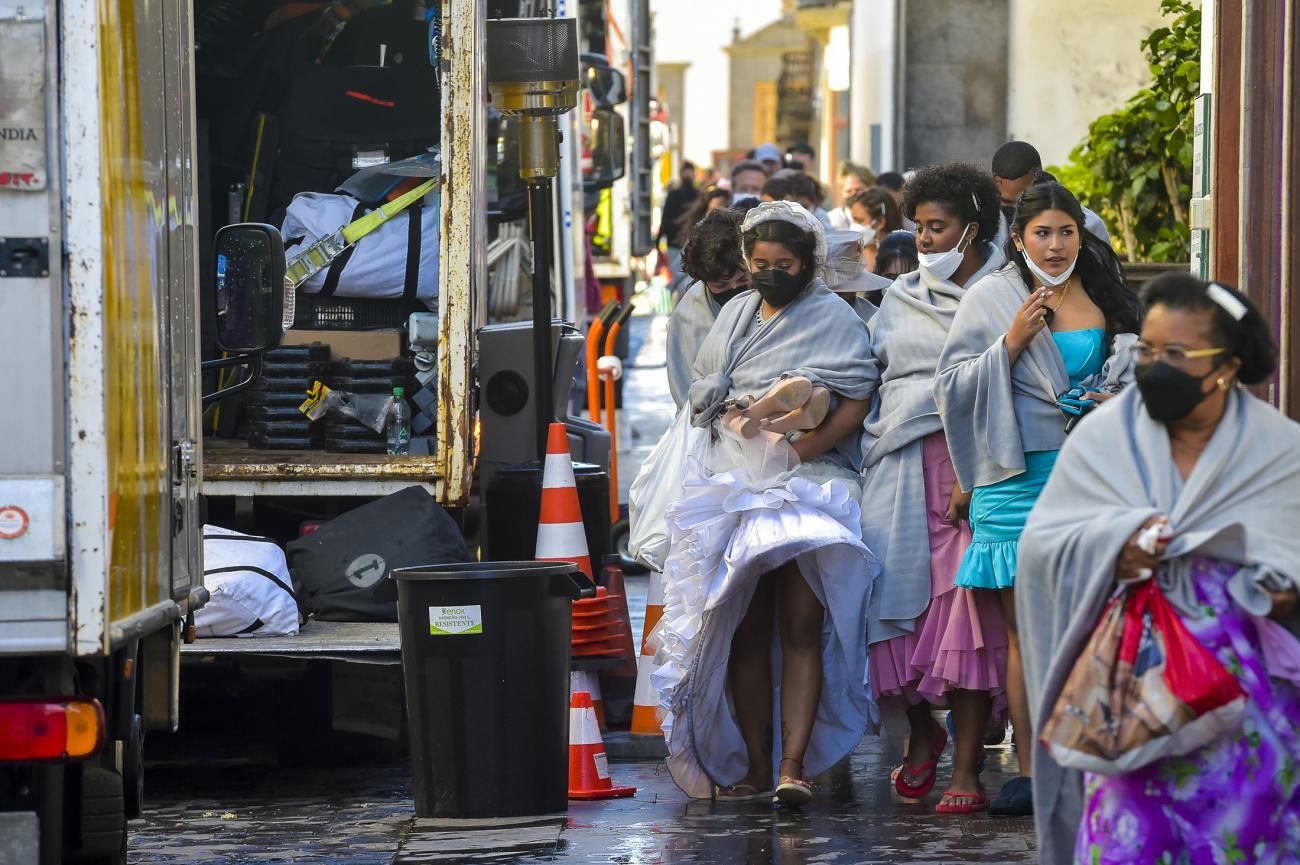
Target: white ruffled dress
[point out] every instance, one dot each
(741, 514)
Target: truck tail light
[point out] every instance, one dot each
(53, 728)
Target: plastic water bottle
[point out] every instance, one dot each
(399, 424)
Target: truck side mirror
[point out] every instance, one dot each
(250, 290)
(607, 86)
(606, 145)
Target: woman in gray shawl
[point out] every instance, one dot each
(1011, 355)
(764, 539)
(932, 643)
(1189, 450)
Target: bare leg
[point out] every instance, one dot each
(970, 718)
(802, 617)
(750, 673)
(1016, 694)
(920, 744)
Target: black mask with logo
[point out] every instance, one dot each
(777, 287)
(1169, 393)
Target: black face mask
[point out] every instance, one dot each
(722, 298)
(1169, 393)
(777, 287)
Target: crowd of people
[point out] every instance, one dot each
(921, 435)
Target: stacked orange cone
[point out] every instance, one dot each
(560, 535)
(588, 766)
(645, 705)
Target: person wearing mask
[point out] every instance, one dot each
(712, 258)
(853, 180)
(747, 178)
(1190, 451)
(802, 156)
(770, 156)
(678, 202)
(875, 214)
(932, 643)
(1060, 315)
(793, 592)
(1016, 167)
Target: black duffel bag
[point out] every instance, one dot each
(342, 568)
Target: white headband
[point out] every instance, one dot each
(1225, 300)
(795, 214)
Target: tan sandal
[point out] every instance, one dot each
(793, 792)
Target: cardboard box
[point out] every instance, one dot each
(353, 344)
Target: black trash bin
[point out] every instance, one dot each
(485, 658)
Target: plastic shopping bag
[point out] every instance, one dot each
(1143, 689)
(659, 484)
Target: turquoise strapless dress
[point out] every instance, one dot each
(998, 512)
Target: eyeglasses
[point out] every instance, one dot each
(1174, 355)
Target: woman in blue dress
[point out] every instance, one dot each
(1058, 316)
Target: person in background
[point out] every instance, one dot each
(1016, 167)
(845, 274)
(712, 198)
(790, 184)
(1059, 316)
(802, 155)
(678, 201)
(712, 258)
(896, 255)
(853, 180)
(747, 178)
(932, 643)
(875, 214)
(766, 580)
(895, 183)
(1190, 448)
(771, 157)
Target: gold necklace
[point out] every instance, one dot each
(1069, 282)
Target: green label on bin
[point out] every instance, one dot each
(455, 621)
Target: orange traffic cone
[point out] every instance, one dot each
(560, 535)
(582, 681)
(588, 765)
(645, 705)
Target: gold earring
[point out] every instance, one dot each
(1222, 383)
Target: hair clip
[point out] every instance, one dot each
(1225, 300)
(975, 198)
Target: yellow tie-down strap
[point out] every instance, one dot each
(318, 256)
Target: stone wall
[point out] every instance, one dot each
(954, 80)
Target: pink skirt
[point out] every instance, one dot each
(960, 641)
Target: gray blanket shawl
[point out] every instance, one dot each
(689, 325)
(1241, 504)
(995, 413)
(817, 335)
(906, 337)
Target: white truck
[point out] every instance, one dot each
(101, 458)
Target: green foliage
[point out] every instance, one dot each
(1135, 166)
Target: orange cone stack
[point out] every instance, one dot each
(560, 535)
(645, 705)
(588, 766)
(589, 682)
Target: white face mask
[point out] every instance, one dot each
(942, 265)
(868, 232)
(1045, 278)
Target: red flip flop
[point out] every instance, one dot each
(945, 806)
(927, 771)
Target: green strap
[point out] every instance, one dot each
(354, 231)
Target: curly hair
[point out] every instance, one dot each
(966, 191)
(712, 250)
(1099, 268)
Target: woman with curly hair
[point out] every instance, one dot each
(1033, 347)
(932, 643)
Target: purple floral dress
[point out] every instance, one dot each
(1236, 802)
